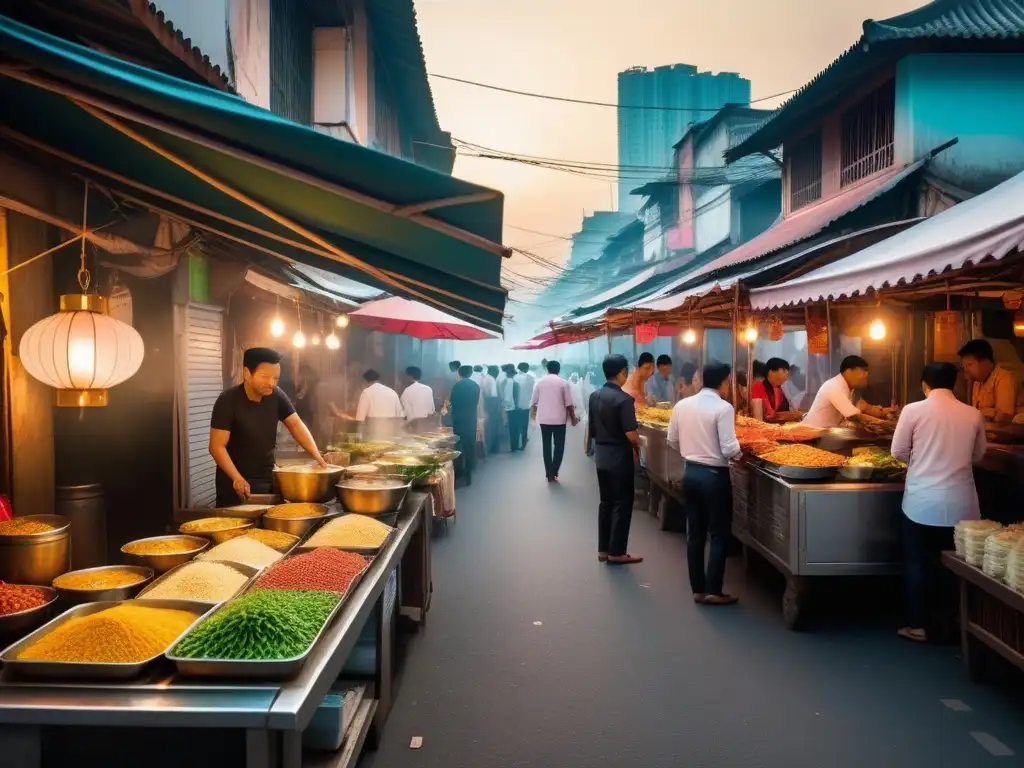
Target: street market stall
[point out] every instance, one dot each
(297, 693)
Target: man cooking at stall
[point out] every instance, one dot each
(243, 429)
(993, 388)
(834, 402)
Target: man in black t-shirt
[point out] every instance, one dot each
(243, 429)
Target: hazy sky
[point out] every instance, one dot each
(575, 48)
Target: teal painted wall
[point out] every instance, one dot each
(978, 98)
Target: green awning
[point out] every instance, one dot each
(414, 231)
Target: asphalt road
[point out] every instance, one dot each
(537, 656)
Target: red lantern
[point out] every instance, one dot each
(646, 333)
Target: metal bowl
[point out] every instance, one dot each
(162, 563)
(37, 558)
(296, 526)
(71, 597)
(306, 485)
(861, 474)
(14, 626)
(219, 537)
(365, 500)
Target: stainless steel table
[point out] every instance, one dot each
(814, 529)
(267, 717)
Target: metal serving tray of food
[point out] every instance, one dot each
(254, 669)
(249, 571)
(65, 670)
(305, 546)
(800, 473)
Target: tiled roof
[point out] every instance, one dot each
(174, 41)
(951, 20)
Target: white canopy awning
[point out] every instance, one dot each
(990, 225)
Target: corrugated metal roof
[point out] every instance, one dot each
(943, 19)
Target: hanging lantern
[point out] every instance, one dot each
(750, 334)
(1018, 325)
(331, 342)
(81, 351)
(645, 333)
(689, 337)
(1013, 299)
(341, 321)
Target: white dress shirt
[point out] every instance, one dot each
(379, 402)
(941, 438)
(478, 378)
(704, 428)
(506, 391)
(526, 383)
(418, 401)
(832, 404)
(489, 386)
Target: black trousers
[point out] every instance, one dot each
(925, 582)
(708, 494)
(553, 435)
(523, 420)
(492, 407)
(616, 510)
(513, 429)
(467, 445)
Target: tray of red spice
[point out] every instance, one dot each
(23, 609)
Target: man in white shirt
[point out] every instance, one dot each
(492, 408)
(417, 399)
(378, 401)
(478, 375)
(941, 438)
(508, 391)
(526, 382)
(703, 427)
(552, 407)
(834, 402)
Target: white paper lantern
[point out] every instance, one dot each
(81, 351)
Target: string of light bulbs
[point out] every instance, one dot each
(331, 341)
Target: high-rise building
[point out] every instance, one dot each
(646, 136)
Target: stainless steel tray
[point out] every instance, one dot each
(249, 571)
(800, 473)
(64, 670)
(305, 546)
(258, 669)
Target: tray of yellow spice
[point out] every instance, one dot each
(351, 533)
(109, 640)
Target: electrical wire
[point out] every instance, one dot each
(568, 100)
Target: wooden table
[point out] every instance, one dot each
(991, 615)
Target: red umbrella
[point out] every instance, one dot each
(398, 315)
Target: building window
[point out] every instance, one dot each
(805, 171)
(331, 91)
(868, 135)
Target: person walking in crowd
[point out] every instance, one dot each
(613, 434)
(578, 403)
(689, 381)
(478, 375)
(492, 408)
(465, 404)
(704, 430)
(993, 388)
(769, 389)
(552, 407)
(526, 382)
(637, 380)
(941, 438)
(378, 401)
(417, 399)
(508, 389)
(660, 388)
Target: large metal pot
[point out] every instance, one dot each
(369, 496)
(306, 484)
(37, 558)
(277, 519)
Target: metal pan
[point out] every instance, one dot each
(366, 551)
(255, 669)
(248, 571)
(857, 474)
(801, 473)
(65, 670)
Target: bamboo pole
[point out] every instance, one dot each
(735, 341)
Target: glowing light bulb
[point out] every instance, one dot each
(342, 321)
(690, 337)
(750, 335)
(277, 327)
(315, 340)
(331, 342)
(299, 340)
(877, 330)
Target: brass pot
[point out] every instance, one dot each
(37, 558)
(305, 484)
(296, 526)
(368, 496)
